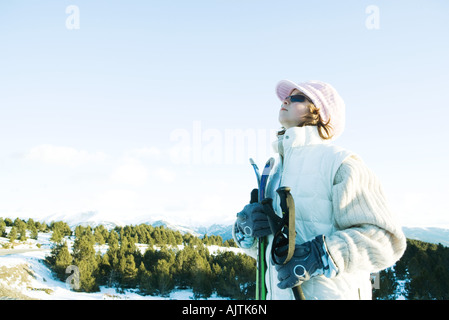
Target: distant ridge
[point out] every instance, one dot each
(434, 235)
(428, 234)
(94, 219)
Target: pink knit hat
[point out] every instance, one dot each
(323, 96)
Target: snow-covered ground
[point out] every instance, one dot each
(38, 282)
(23, 275)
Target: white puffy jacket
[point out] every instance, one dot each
(336, 195)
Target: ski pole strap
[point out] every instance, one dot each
(283, 242)
(287, 230)
(283, 228)
(288, 214)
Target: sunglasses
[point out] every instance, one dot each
(297, 98)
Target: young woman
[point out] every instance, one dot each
(344, 227)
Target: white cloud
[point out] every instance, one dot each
(164, 175)
(145, 152)
(116, 201)
(132, 172)
(64, 156)
(421, 208)
(135, 170)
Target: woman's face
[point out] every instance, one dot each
(292, 114)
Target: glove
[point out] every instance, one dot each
(310, 259)
(253, 221)
(243, 241)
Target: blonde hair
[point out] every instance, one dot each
(313, 118)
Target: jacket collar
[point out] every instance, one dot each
(297, 137)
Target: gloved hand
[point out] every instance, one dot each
(252, 221)
(309, 260)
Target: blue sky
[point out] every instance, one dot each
(92, 119)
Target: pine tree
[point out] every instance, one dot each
(157, 236)
(12, 234)
(33, 232)
(63, 259)
(22, 233)
(104, 271)
(163, 277)
(56, 236)
(85, 259)
(128, 270)
(144, 278)
(113, 239)
(21, 229)
(18, 223)
(128, 253)
(186, 266)
(8, 222)
(113, 261)
(31, 224)
(202, 285)
(2, 228)
(99, 236)
(171, 239)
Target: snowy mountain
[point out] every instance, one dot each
(175, 227)
(90, 218)
(429, 234)
(225, 231)
(94, 219)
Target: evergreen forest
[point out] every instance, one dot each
(170, 260)
(157, 260)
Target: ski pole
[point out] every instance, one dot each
(262, 180)
(288, 213)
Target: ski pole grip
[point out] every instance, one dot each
(254, 196)
(283, 193)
